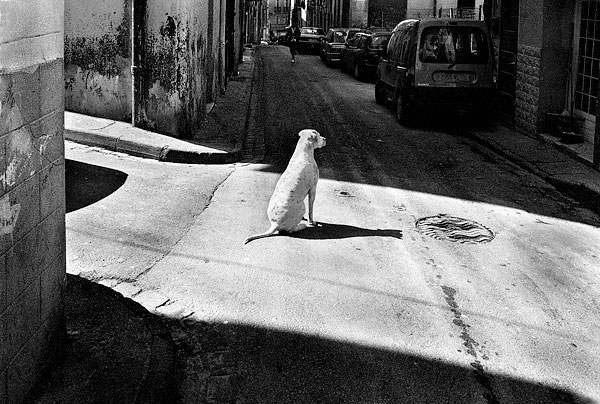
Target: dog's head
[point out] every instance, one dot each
(314, 137)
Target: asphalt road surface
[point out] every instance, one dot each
(438, 273)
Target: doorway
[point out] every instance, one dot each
(507, 60)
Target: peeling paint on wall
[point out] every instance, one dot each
(20, 148)
(101, 54)
(98, 60)
(9, 215)
(179, 71)
(175, 71)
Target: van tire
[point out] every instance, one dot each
(357, 73)
(402, 111)
(380, 94)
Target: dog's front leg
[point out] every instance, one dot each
(312, 193)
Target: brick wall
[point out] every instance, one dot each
(528, 90)
(32, 201)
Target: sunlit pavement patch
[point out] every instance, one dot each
(450, 228)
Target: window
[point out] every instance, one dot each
(588, 60)
(453, 45)
(312, 31)
(380, 41)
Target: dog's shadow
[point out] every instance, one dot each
(329, 231)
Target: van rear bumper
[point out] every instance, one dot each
(454, 97)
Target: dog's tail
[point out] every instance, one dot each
(272, 230)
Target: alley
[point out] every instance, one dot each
(367, 307)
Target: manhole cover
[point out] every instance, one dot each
(444, 227)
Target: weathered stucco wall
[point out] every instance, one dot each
(181, 69)
(359, 13)
(98, 58)
(32, 193)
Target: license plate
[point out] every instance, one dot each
(454, 77)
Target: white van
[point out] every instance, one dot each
(438, 63)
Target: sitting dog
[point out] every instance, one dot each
(286, 207)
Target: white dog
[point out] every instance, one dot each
(286, 207)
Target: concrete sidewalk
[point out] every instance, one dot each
(544, 155)
(219, 140)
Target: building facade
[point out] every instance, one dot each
(161, 72)
(317, 13)
(548, 62)
(32, 193)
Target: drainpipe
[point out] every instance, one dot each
(138, 28)
(596, 154)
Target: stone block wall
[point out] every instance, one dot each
(32, 193)
(528, 88)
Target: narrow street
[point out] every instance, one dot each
(376, 304)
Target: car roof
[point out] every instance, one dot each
(346, 29)
(451, 21)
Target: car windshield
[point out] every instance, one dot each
(380, 41)
(339, 36)
(453, 45)
(351, 35)
(312, 31)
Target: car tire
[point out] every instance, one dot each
(403, 113)
(380, 93)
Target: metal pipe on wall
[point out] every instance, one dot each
(138, 29)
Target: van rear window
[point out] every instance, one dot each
(339, 37)
(453, 45)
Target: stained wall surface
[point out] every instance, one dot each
(98, 58)
(32, 201)
(181, 66)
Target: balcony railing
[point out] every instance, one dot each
(469, 13)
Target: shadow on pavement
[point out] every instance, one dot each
(328, 231)
(86, 184)
(257, 365)
(118, 352)
(115, 351)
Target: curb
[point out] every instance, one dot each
(581, 191)
(150, 145)
(231, 135)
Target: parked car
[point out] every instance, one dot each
(442, 64)
(362, 56)
(310, 40)
(335, 40)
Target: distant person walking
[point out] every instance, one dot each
(293, 36)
